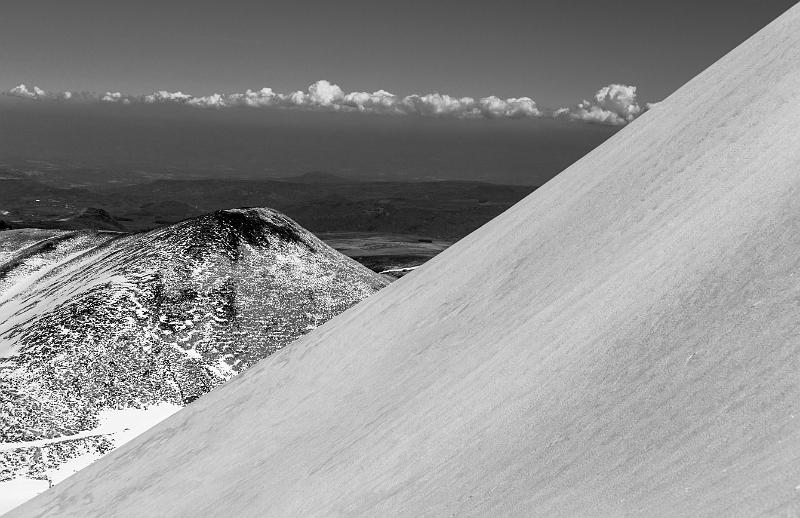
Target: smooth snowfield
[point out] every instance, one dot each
(14, 492)
(623, 342)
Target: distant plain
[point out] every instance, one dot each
(401, 181)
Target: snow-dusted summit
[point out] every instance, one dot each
(102, 333)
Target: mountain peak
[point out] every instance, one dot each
(98, 219)
(257, 226)
(103, 328)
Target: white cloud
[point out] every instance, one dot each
(494, 107)
(164, 96)
(209, 101)
(23, 91)
(442, 105)
(115, 97)
(324, 93)
(35, 93)
(613, 104)
(260, 98)
(376, 102)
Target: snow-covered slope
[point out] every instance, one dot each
(27, 254)
(623, 342)
(104, 334)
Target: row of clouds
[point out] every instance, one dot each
(614, 104)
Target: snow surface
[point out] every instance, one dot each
(123, 423)
(18, 239)
(623, 342)
(120, 425)
(400, 270)
(17, 491)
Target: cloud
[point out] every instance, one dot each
(167, 97)
(442, 105)
(323, 93)
(380, 101)
(514, 108)
(22, 91)
(614, 104)
(115, 97)
(208, 101)
(36, 93)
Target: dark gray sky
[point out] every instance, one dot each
(555, 51)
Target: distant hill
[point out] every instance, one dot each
(89, 218)
(320, 203)
(101, 332)
(166, 211)
(93, 218)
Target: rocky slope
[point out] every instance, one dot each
(101, 332)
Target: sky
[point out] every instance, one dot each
(143, 141)
(553, 51)
(502, 91)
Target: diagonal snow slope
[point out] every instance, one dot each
(623, 342)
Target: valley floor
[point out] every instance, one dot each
(391, 254)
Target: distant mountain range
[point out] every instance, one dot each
(321, 202)
(316, 177)
(103, 332)
(159, 141)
